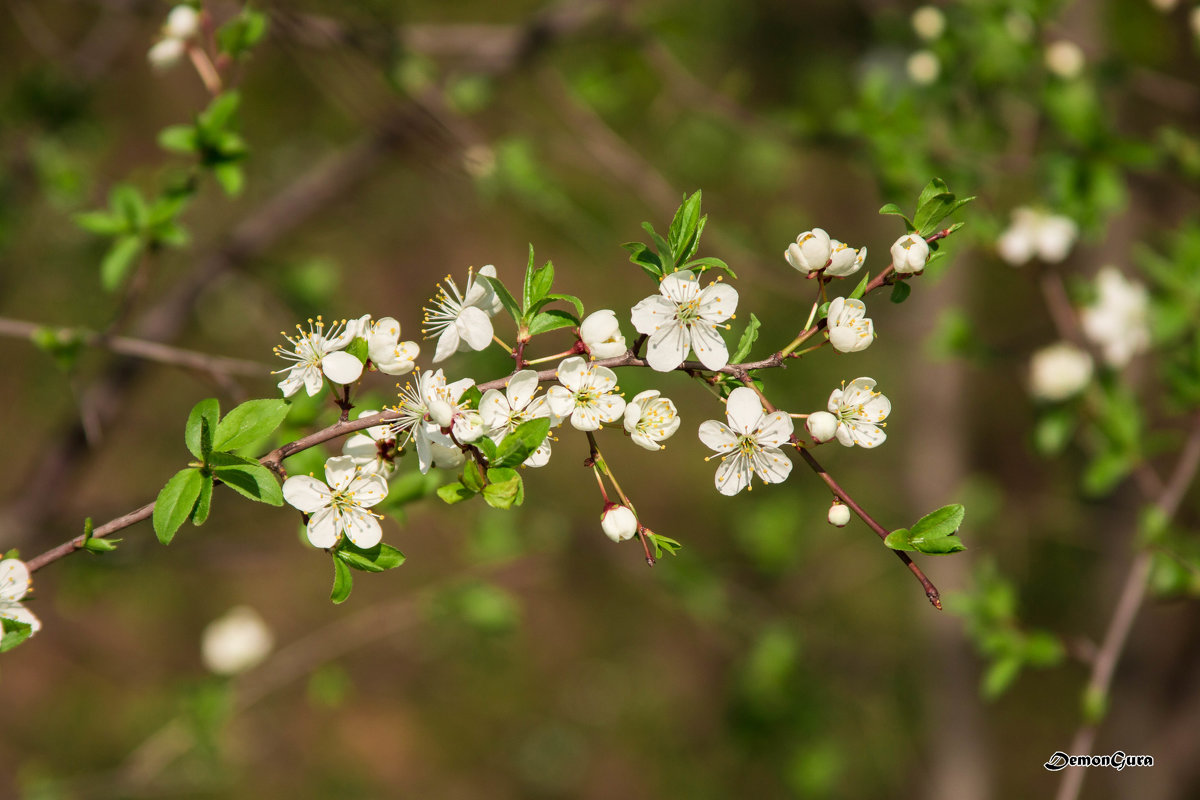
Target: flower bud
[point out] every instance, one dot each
(928, 22)
(839, 514)
(844, 260)
(1064, 59)
(822, 426)
(910, 253)
(166, 54)
(602, 334)
(182, 23)
(923, 67)
(810, 252)
(236, 642)
(618, 522)
(441, 412)
(1058, 372)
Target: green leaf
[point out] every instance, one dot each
(175, 502)
(472, 478)
(1000, 676)
(644, 257)
(15, 632)
(527, 293)
(1095, 705)
(665, 254)
(683, 235)
(698, 265)
(898, 540)
(1105, 471)
(1053, 430)
(203, 502)
(520, 444)
(453, 493)
(98, 546)
(118, 261)
(505, 488)
(506, 299)
(900, 291)
(249, 422)
(663, 544)
(238, 36)
(64, 345)
(379, 558)
(552, 320)
(488, 447)
(471, 397)
(253, 481)
(201, 423)
(543, 279)
(101, 223)
(935, 204)
(938, 524)
(126, 202)
(894, 210)
(861, 288)
(343, 582)
(231, 178)
(749, 336)
(220, 111)
(568, 298)
(179, 139)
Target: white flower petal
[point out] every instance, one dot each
(709, 346)
(494, 408)
(323, 528)
(733, 474)
(668, 347)
(341, 367)
(718, 302)
(561, 401)
(717, 436)
(743, 409)
(652, 313)
(14, 579)
(368, 490)
(447, 344)
(774, 429)
(521, 388)
(313, 379)
(339, 471)
(306, 493)
(362, 448)
(362, 528)
(866, 434)
(679, 287)
(585, 419)
(610, 407)
(772, 465)
(21, 614)
(572, 373)
(475, 328)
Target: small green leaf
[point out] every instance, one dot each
(520, 444)
(453, 493)
(543, 279)
(900, 291)
(1095, 705)
(644, 257)
(665, 254)
(379, 558)
(98, 546)
(249, 422)
(663, 544)
(178, 139)
(14, 633)
(118, 261)
(231, 177)
(894, 210)
(253, 481)
(175, 502)
(898, 540)
(101, 223)
(937, 524)
(203, 502)
(861, 288)
(472, 478)
(749, 336)
(505, 488)
(126, 202)
(506, 299)
(343, 582)
(552, 320)
(568, 298)
(220, 111)
(471, 397)
(201, 424)
(238, 36)
(488, 447)
(1000, 676)
(698, 265)
(683, 235)
(527, 293)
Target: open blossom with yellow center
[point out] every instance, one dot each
(685, 317)
(860, 413)
(504, 412)
(749, 443)
(650, 419)
(462, 320)
(849, 329)
(318, 354)
(341, 506)
(586, 395)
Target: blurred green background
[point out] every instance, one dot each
(522, 654)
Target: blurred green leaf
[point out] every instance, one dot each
(118, 261)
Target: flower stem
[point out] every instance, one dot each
(497, 340)
(544, 359)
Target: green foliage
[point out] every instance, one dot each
(520, 444)
(249, 422)
(343, 581)
(934, 534)
(135, 226)
(175, 503)
(662, 544)
(201, 425)
(1117, 428)
(238, 37)
(935, 203)
(213, 140)
(536, 295)
(93, 545)
(13, 633)
(675, 252)
(64, 345)
(749, 336)
(379, 558)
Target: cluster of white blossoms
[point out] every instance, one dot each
(14, 585)
(814, 251)
(462, 320)
(182, 25)
(503, 412)
(1117, 322)
(319, 353)
(855, 417)
(1036, 234)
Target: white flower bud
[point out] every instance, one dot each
(910, 253)
(1164, 5)
(1064, 59)
(822, 426)
(236, 642)
(166, 53)
(618, 522)
(928, 22)
(844, 260)
(602, 334)
(1058, 372)
(923, 67)
(839, 514)
(441, 412)
(182, 23)
(810, 252)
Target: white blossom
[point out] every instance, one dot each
(373, 449)
(1032, 233)
(683, 316)
(14, 585)
(1065, 59)
(1117, 322)
(585, 394)
(923, 67)
(1059, 371)
(849, 329)
(166, 53)
(389, 355)
(236, 641)
(341, 506)
(183, 22)
(860, 413)
(318, 354)
(810, 252)
(602, 334)
(822, 426)
(462, 321)
(749, 443)
(503, 412)
(618, 522)
(839, 514)
(430, 405)
(928, 22)
(909, 254)
(650, 419)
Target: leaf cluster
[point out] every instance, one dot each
(678, 249)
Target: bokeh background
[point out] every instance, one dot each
(522, 654)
